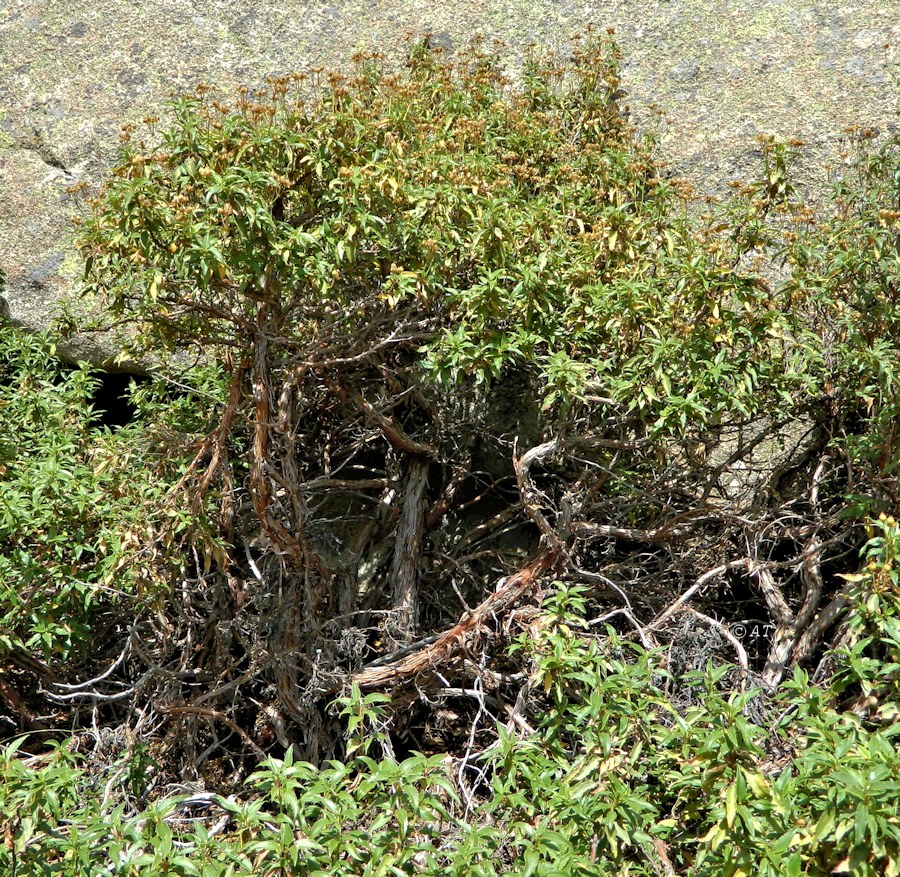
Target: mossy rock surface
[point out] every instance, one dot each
(723, 71)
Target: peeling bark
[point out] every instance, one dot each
(450, 646)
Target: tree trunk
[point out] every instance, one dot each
(404, 571)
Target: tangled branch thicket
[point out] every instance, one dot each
(458, 342)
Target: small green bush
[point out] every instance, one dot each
(82, 509)
(63, 520)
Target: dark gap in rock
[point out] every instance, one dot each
(111, 399)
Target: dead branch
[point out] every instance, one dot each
(693, 589)
(785, 633)
(220, 436)
(215, 442)
(215, 715)
(527, 491)
(453, 643)
(392, 432)
(793, 626)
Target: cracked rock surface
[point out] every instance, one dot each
(72, 72)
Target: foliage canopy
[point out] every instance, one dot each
(492, 226)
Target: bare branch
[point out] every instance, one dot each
(453, 643)
(216, 715)
(404, 571)
(392, 432)
(705, 579)
(527, 491)
(725, 633)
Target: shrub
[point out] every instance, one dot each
(612, 780)
(75, 504)
(374, 275)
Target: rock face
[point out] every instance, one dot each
(71, 73)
